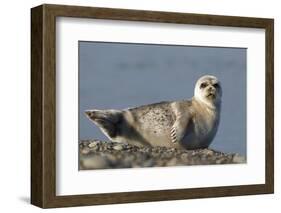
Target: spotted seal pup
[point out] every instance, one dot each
(188, 124)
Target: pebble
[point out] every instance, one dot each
(238, 159)
(172, 162)
(118, 147)
(184, 156)
(93, 144)
(94, 162)
(148, 163)
(85, 150)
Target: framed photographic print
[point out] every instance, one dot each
(135, 106)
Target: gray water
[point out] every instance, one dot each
(120, 75)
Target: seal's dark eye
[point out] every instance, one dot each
(203, 85)
(216, 85)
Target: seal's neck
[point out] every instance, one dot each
(213, 106)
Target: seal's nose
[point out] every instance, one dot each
(211, 89)
(88, 113)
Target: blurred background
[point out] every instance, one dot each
(121, 75)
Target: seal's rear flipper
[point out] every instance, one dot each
(106, 120)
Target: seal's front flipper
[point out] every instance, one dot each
(178, 130)
(106, 120)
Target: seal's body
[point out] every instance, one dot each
(189, 124)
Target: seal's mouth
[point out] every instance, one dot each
(211, 95)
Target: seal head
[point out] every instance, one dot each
(208, 91)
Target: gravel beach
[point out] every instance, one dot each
(95, 154)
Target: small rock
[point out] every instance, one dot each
(219, 161)
(118, 147)
(111, 157)
(184, 156)
(238, 159)
(94, 162)
(93, 144)
(208, 152)
(172, 162)
(85, 151)
(149, 163)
